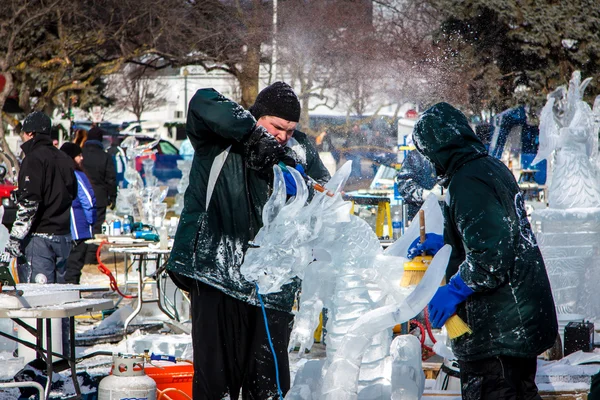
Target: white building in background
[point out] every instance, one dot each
(180, 86)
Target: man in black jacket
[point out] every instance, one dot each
(100, 168)
(497, 281)
(47, 187)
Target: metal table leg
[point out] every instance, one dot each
(49, 367)
(72, 359)
(39, 338)
(140, 296)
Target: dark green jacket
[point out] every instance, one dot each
(210, 242)
(494, 250)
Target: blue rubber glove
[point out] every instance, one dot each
(432, 244)
(446, 299)
(290, 183)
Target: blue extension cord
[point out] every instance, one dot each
(262, 305)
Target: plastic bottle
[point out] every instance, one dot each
(105, 228)
(396, 225)
(164, 237)
(126, 225)
(117, 227)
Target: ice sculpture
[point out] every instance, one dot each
(145, 203)
(568, 232)
(184, 166)
(568, 127)
(148, 165)
(408, 378)
(134, 180)
(343, 268)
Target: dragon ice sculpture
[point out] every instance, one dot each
(343, 268)
(569, 127)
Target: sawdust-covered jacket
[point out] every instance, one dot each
(222, 204)
(494, 249)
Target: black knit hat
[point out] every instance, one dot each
(277, 100)
(37, 122)
(95, 134)
(71, 149)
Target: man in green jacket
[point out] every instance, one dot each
(497, 281)
(230, 182)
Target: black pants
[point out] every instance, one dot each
(499, 378)
(231, 351)
(75, 262)
(46, 255)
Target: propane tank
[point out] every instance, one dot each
(128, 380)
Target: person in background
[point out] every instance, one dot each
(354, 141)
(80, 137)
(277, 109)
(415, 180)
(230, 181)
(46, 189)
(497, 280)
(100, 169)
(83, 215)
(120, 159)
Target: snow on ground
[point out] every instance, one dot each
(572, 373)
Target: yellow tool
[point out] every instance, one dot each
(414, 270)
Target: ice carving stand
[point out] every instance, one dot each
(43, 316)
(383, 210)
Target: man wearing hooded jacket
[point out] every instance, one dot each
(229, 185)
(47, 187)
(497, 281)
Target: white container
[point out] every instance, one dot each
(128, 380)
(29, 354)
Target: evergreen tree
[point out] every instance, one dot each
(516, 51)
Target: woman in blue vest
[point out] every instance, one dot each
(83, 215)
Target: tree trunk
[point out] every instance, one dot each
(6, 154)
(304, 117)
(248, 77)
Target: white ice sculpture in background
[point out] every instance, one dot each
(144, 202)
(185, 167)
(568, 231)
(568, 127)
(149, 178)
(343, 268)
(132, 146)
